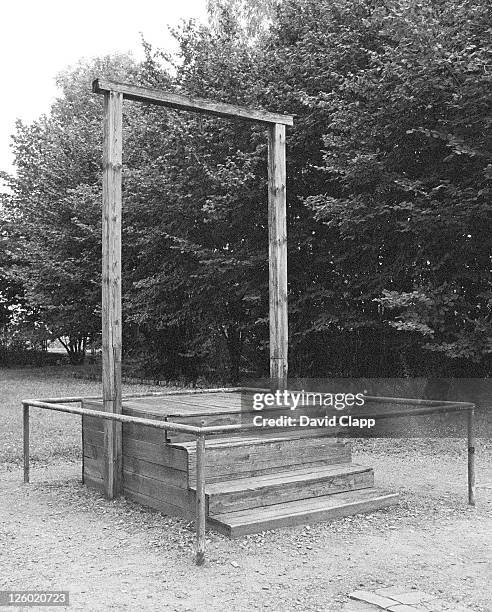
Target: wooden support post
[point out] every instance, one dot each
(25, 419)
(277, 241)
(200, 500)
(111, 288)
(471, 456)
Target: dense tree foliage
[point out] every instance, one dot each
(389, 214)
(53, 212)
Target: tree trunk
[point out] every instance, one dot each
(75, 347)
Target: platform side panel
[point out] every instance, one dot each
(93, 447)
(154, 472)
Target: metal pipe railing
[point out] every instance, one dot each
(58, 404)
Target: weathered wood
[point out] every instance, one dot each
(174, 496)
(93, 468)
(328, 507)
(168, 475)
(25, 428)
(146, 434)
(182, 102)
(154, 422)
(201, 509)
(157, 504)
(230, 461)
(471, 456)
(92, 423)
(93, 438)
(162, 454)
(299, 483)
(111, 287)
(277, 250)
(95, 483)
(162, 473)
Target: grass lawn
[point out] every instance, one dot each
(57, 534)
(54, 435)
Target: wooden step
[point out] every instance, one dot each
(232, 458)
(300, 512)
(235, 415)
(268, 489)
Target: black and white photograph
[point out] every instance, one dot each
(246, 306)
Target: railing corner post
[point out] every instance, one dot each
(471, 456)
(200, 500)
(25, 419)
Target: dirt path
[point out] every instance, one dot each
(55, 534)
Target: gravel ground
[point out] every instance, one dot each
(57, 534)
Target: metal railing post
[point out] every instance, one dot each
(200, 500)
(471, 456)
(25, 432)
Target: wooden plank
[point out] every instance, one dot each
(229, 461)
(162, 454)
(281, 487)
(138, 411)
(236, 524)
(93, 438)
(146, 434)
(244, 417)
(180, 101)
(252, 438)
(277, 250)
(183, 406)
(94, 483)
(111, 287)
(93, 468)
(157, 504)
(158, 471)
(163, 473)
(158, 490)
(94, 423)
(91, 451)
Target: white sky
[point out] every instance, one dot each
(38, 38)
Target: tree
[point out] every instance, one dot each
(54, 212)
(388, 200)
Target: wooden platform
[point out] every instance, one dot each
(255, 481)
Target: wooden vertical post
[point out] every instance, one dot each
(25, 421)
(200, 500)
(111, 289)
(277, 242)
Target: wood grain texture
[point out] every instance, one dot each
(162, 473)
(236, 458)
(270, 489)
(162, 454)
(157, 504)
(174, 496)
(301, 512)
(95, 483)
(93, 468)
(93, 438)
(182, 102)
(277, 252)
(111, 287)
